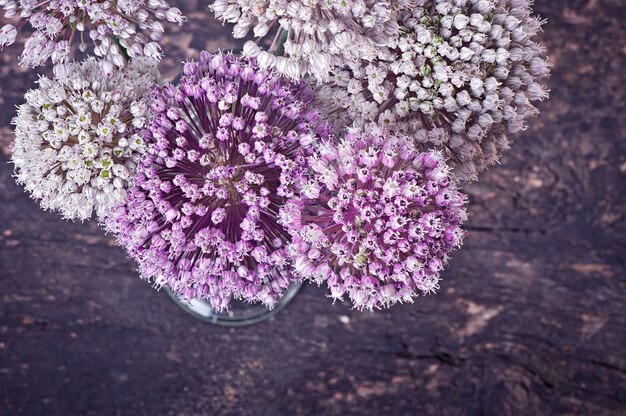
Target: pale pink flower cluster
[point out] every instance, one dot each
(78, 137)
(376, 219)
(116, 28)
(318, 35)
(459, 77)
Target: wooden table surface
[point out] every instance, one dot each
(530, 319)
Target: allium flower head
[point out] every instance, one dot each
(58, 24)
(461, 76)
(320, 35)
(376, 219)
(227, 149)
(78, 136)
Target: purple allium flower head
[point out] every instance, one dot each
(225, 152)
(375, 220)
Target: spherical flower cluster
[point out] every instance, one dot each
(375, 220)
(319, 35)
(227, 149)
(78, 136)
(133, 25)
(461, 75)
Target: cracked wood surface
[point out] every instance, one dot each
(530, 319)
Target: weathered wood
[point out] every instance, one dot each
(530, 318)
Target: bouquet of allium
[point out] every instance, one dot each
(114, 27)
(78, 137)
(226, 151)
(332, 153)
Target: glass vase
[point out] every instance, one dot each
(240, 314)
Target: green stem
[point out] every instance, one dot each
(280, 50)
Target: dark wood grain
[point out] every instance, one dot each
(530, 319)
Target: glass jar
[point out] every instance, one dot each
(240, 313)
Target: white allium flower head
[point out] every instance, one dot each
(468, 68)
(319, 35)
(133, 25)
(78, 137)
